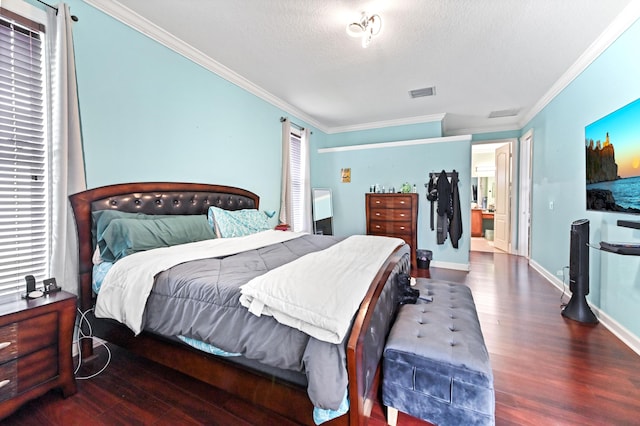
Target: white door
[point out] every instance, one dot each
(502, 222)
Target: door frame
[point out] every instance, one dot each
(513, 193)
(525, 173)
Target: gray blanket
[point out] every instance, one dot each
(200, 299)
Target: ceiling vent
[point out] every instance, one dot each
(420, 93)
(504, 113)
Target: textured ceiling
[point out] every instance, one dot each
(482, 56)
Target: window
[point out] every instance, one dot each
(297, 180)
(24, 247)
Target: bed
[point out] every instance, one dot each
(273, 388)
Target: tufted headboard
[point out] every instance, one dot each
(149, 198)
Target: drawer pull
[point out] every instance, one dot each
(4, 383)
(377, 214)
(402, 227)
(401, 214)
(4, 345)
(377, 226)
(401, 202)
(378, 201)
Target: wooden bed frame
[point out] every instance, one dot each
(365, 343)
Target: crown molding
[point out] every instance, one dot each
(128, 17)
(623, 21)
(395, 144)
(388, 123)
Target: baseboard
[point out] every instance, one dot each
(609, 323)
(450, 265)
(618, 330)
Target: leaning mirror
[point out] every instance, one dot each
(322, 211)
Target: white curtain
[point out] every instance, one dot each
(67, 162)
(286, 209)
(307, 223)
(298, 217)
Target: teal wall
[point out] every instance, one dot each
(430, 129)
(610, 82)
(494, 136)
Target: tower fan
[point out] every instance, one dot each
(577, 309)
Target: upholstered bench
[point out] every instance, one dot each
(435, 365)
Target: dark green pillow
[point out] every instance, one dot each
(125, 236)
(102, 219)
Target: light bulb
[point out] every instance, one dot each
(366, 39)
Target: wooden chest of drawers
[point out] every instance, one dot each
(35, 349)
(394, 215)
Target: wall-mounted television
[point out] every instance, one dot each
(612, 147)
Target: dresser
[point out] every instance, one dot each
(394, 215)
(35, 349)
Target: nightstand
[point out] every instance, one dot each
(35, 349)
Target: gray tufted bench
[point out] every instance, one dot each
(436, 366)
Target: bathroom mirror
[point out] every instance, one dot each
(322, 211)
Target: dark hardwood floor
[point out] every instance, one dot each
(548, 370)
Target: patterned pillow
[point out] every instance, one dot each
(237, 223)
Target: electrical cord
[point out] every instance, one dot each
(81, 336)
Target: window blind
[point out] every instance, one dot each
(23, 158)
(295, 169)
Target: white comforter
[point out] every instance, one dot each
(126, 287)
(320, 292)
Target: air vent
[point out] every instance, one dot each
(504, 113)
(420, 93)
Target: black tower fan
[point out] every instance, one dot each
(577, 309)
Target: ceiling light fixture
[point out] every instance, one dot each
(366, 28)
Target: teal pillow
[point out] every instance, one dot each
(102, 219)
(237, 223)
(129, 235)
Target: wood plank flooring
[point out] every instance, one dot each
(548, 370)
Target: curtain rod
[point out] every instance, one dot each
(74, 18)
(297, 126)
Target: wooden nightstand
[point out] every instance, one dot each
(35, 349)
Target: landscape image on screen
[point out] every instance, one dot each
(613, 161)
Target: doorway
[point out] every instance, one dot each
(491, 197)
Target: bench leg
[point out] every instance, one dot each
(392, 416)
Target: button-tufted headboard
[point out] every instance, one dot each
(172, 202)
(149, 198)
